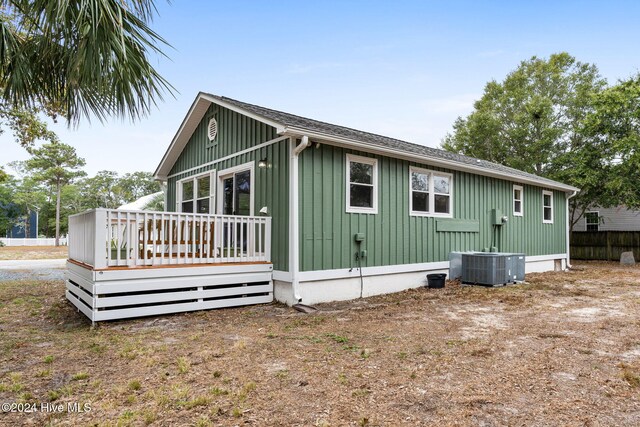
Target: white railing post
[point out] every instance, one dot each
(157, 238)
(267, 239)
(100, 253)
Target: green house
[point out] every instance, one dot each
(354, 213)
(262, 204)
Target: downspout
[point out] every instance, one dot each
(294, 223)
(568, 229)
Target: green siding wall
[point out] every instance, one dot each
(395, 237)
(236, 133)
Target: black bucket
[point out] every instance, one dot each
(436, 281)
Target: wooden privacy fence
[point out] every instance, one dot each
(604, 245)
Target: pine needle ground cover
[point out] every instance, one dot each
(563, 349)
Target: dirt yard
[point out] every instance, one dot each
(563, 349)
(33, 252)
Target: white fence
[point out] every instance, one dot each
(108, 237)
(44, 241)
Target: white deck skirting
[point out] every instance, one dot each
(124, 293)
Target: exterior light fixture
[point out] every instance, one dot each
(263, 163)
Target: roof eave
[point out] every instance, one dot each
(406, 155)
(191, 121)
(163, 168)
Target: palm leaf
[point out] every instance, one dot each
(86, 58)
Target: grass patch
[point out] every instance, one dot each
(360, 392)
(183, 365)
(217, 391)
(134, 385)
(339, 339)
(196, 401)
(80, 376)
(630, 376)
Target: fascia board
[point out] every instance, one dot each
(376, 149)
(279, 126)
(177, 143)
(190, 122)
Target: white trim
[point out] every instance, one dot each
(225, 173)
(521, 200)
(550, 194)
(282, 276)
(431, 193)
(231, 156)
(335, 285)
(203, 101)
(294, 214)
(215, 100)
(536, 258)
(196, 112)
(352, 158)
(449, 164)
(212, 191)
(568, 227)
(309, 276)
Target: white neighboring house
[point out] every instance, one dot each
(141, 203)
(610, 219)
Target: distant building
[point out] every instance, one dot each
(609, 219)
(25, 226)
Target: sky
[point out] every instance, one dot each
(404, 69)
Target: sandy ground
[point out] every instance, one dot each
(563, 349)
(33, 252)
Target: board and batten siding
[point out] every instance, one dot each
(236, 133)
(392, 236)
(612, 219)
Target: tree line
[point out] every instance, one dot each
(53, 183)
(560, 119)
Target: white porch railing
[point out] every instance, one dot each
(109, 237)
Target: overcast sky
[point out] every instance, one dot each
(404, 69)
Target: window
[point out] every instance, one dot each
(362, 184)
(593, 221)
(430, 192)
(547, 207)
(196, 193)
(517, 200)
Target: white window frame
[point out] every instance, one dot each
(550, 194)
(223, 174)
(194, 178)
(587, 223)
(521, 200)
(352, 158)
(432, 193)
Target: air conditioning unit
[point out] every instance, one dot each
(492, 268)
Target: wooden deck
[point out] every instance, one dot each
(132, 264)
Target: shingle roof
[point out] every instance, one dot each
(291, 120)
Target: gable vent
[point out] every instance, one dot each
(212, 129)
